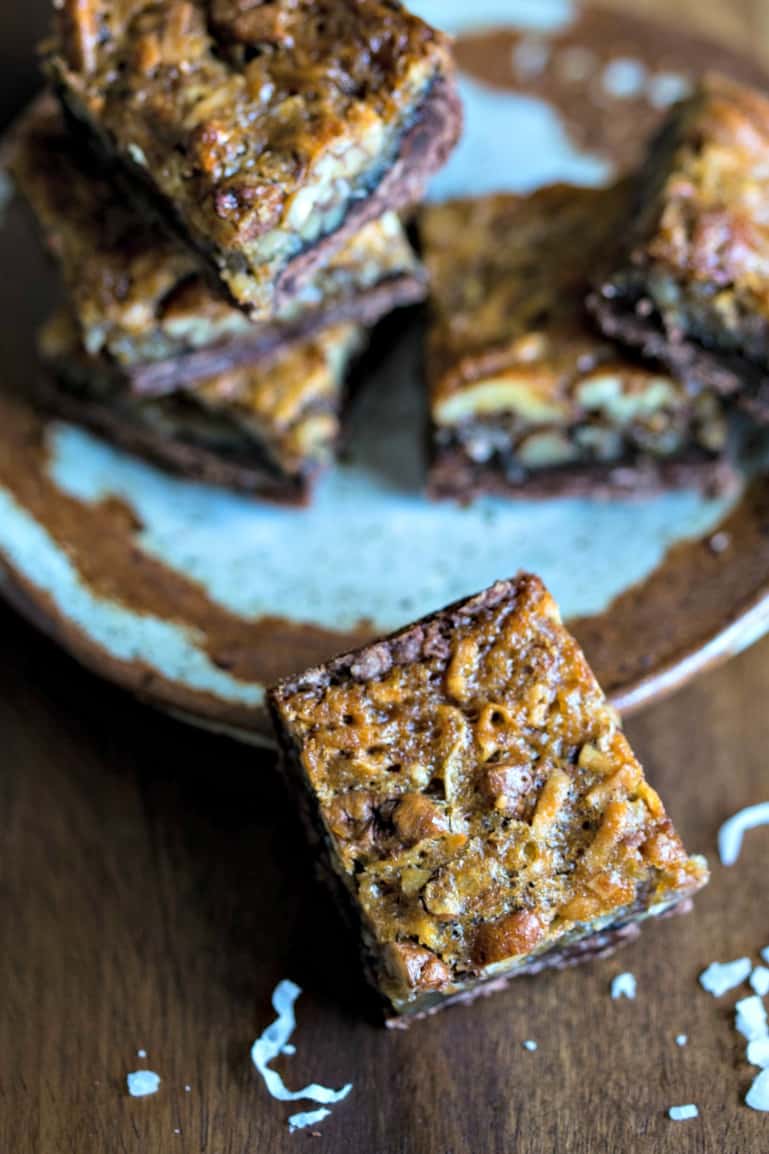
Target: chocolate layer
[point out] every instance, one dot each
(454, 476)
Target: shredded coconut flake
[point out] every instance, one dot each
(529, 1045)
(765, 954)
(758, 1052)
(757, 1096)
(682, 1113)
(759, 981)
(141, 1083)
(623, 986)
(141, 1053)
(732, 831)
(188, 1089)
(272, 1042)
(720, 977)
(309, 1118)
(682, 1039)
(750, 1018)
(288, 1050)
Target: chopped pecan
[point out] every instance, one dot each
(416, 967)
(250, 21)
(350, 817)
(416, 818)
(508, 787)
(515, 934)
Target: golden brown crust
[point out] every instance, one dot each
(477, 797)
(260, 126)
(140, 296)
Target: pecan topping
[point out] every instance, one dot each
(516, 934)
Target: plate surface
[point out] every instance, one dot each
(196, 599)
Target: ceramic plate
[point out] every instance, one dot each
(196, 599)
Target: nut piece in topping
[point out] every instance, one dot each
(526, 397)
(690, 283)
(480, 810)
(267, 134)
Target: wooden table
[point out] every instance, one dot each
(154, 888)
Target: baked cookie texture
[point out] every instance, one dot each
(268, 133)
(475, 802)
(268, 431)
(526, 396)
(141, 299)
(690, 284)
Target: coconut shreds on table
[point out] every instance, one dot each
(720, 977)
(309, 1118)
(732, 831)
(141, 1083)
(758, 1052)
(682, 1039)
(529, 1045)
(682, 1113)
(757, 1096)
(271, 1043)
(623, 986)
(750, 1018)
(759, 981)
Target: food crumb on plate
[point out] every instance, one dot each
(141, 1083)
(720, 977)
(683, 1113)
(624, 986)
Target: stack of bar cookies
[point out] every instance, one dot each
(221, 190)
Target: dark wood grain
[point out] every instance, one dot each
(154, 887)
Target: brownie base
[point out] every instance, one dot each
(268, 341)
(454, 476)
(424, 148)
(258, 478)
(634, 322)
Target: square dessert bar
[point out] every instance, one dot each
(138, 295)
(478, 808)
(268, 133)
(690, 285)
(267, 430)
(526, 397)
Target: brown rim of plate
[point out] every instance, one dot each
(706, 601)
